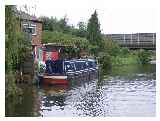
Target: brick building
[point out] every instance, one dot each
(33, 30)
(31, 26)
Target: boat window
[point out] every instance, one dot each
(92, 64)
(87, 64)
(84, 66)
(78, 65)
(69, 66)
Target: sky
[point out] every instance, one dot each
(114, 17)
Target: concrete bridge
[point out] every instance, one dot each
(135, 41)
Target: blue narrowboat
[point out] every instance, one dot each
(61, 71)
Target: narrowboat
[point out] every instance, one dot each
(53, 68)
(61, 71)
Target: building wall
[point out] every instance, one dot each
(36, 39)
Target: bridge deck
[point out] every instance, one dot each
(135, 41)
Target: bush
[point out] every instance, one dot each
(124, 51)
(144, 56)
(111, 47)
(64, 39)
(93, 49)
(105, 61)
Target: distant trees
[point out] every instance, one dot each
(53, 24)
(85, 36)
(60, 29)
(91, 31)
(82, 29)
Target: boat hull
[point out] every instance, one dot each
(55, 80)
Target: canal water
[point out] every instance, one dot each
(124, 91)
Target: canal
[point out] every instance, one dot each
(124, 91)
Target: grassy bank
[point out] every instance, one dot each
(124, 57)
(128, 60)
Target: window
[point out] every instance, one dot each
(29, 28)
(33, 29)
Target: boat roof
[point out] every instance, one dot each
(56, 45)
(80, 60)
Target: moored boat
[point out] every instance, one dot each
(61, 71)
(52, 67)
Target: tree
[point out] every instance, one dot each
(82, 29)
(10, 41)
(93, 30)
(63, 23)
(45, 22)
(16, 43)
(53, 24)
(16, 47)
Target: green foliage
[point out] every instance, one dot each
(124, 60)
(105, 60)
(53, 24)
(15, 49)
(64, 39)
(144, 56)
(59, 32)
(75, 44)
(111, 47)
(93, 49)
(94, 35)
(82, 30)
(15, 52)
(11, 88)
(93, 30)
(16, 44)
(125, 52)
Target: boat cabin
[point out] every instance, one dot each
(62, 67)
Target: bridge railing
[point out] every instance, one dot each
(137, 40)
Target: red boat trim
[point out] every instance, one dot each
(55, 81)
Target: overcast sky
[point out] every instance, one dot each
(115, 17)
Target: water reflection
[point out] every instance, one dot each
(52, 96)
(126, 91)
(26, 105)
